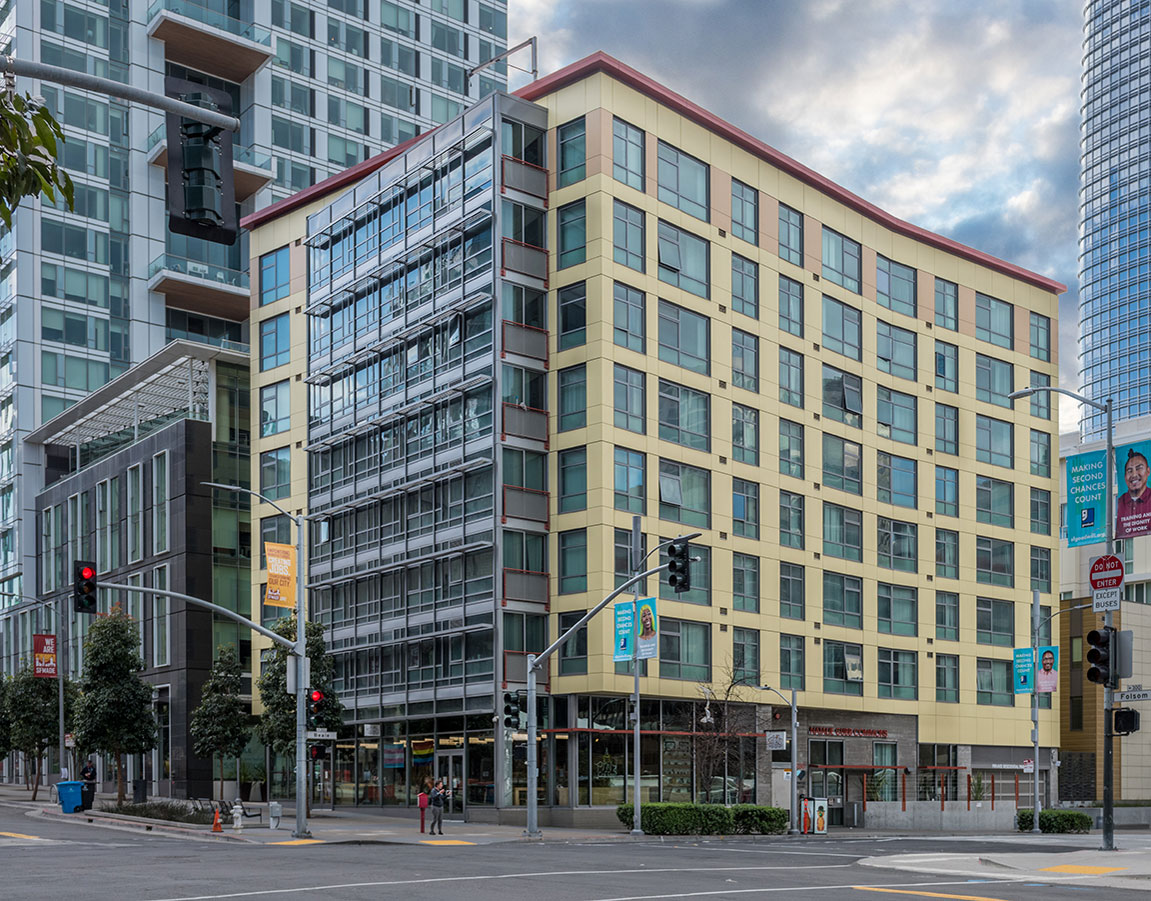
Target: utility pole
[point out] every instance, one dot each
(636, 563)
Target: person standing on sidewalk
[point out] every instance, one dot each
(436, 806)
(88, 789)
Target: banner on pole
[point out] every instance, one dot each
(281, 590)
(624, 631)
(1133, 511)
(647, 641)
(44, 656)
(1086, 498)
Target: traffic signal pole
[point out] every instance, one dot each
(1108, 690)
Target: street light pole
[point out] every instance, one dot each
(794, 827)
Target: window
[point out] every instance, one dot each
(135, 488)
(684, 416)
(791, 448)
(947, 304)
(627, 154)
(276, 530)
(947, 678)
(684, 650)
(842, 600)
(791, 662)
(898, 609)
(630, 493)
(745, 434)
(993, 441)
(683, 338)
(683, 181)
(744, 212)
(994, 321)
(898, 544)
(683, 260)
(744, 286)
(628, 326)
(895, 415)
(791, 519)
(946, 554)
(791, 591)
(842, 668)
(790, 235)
(842, 464)
(897, 480)
(1040, 453)
(275, 409)
(571, 227)
(573, 479)
(994, 501)
(995, 622)
(573, 398)
(1040, 337)
(896, 350)
(745, 656)
(700, 592)
(275, 342)
(995, 561)
(841, 260)
(160, 503)
(994, 381)
(630, 402)
(946, 491)
(745, 582)
(1040, 400)
(946, 366)
(572, 302)
(744, 360)
(790, 306)
(276, 473)
(842, 329)
(628, 236)
(275, 279)
(946, 429)
(842, 396)
(790, 377)
(684, 493)
(898, 675)
(895, 286)
(1040, 511)
(994, 682)
(573, 653)
(1041, 569)
(623, 558)
(745, 508)
(946, 616)
(573, 561)
(571, 141)
(842, 532)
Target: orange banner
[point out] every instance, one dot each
(281, 590)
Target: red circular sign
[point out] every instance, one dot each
(1107, 572)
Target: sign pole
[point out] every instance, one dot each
(60, 676)
(636, 563)
(1035, 708)
(1108, 694)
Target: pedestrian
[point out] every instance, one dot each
(436, 806)
(88, 772)
(88, 788)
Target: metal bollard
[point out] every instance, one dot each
(237, 817)
(275, 811)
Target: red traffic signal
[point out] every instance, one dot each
(84, 587)
(317, 696)
(86, 572)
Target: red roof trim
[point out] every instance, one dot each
(602, 62)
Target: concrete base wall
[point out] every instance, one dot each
(925, 816)
(557, 817)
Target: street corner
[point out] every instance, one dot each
(137, 825)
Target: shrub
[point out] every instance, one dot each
(752, 818)
(705, 819)
(173, 811)
(1056, 821)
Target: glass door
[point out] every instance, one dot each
(450, 768)
(825, 779)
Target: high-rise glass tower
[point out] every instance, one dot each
(84, 294)
(1115, 201)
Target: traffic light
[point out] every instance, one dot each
(84, 586)
(1101, 657)
(318, 752)
(679, 566)
(511, 710)
(315, 704)
(201, 189)
(1126, 721)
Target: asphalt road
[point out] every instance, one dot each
(49, 859)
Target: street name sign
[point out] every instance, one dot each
(321, 735)
(1126, 697)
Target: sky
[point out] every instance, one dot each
(961, 117)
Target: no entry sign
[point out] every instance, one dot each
(1106, 583)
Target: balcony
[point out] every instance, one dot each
(526, 259)
(200, 287)
(516, 669)
(524, 422)
(525, 585)
(251, 170)
(209, 41)
(523, 176)
(525, 503)
(525, 340)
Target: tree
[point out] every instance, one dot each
(28, 167)
(5, 720)
(34, 715)
(722, 739)
(221, 724)
(114, 714)
(277, 726)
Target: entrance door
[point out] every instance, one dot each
(450, 768)
(826, 777)
(321, 779)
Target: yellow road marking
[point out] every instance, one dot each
(34, 838)
(903, 891)
(300, 841)
(444, 842)
(1081, 870)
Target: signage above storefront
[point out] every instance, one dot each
(846, 732)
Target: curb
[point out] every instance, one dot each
(134, 824)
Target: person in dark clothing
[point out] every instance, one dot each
(436, 806)
(88, 773)
(88, 789)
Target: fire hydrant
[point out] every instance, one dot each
(237, 816)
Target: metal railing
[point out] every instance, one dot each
(203, 15)
(198, 269)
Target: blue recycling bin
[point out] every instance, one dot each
(69, 795)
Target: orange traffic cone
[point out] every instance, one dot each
(216, 827)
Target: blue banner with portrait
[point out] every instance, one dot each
(1133, 511)
(1086, 498)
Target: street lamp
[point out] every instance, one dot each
(794, 828)
(1108, 692)
(300, 652)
